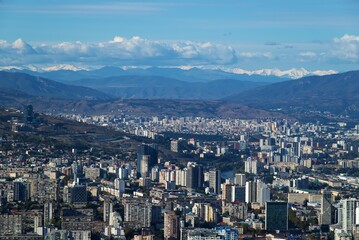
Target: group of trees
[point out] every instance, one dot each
(297, 222)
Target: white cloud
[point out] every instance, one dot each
(18, 44)
(4, 44)
(119, 51)
(307, 54)
(346, 48)
(137, 51)
(248, 54)
(256, 55)
(65, 48)
(117, 39)
(22, 47)
(347, 38)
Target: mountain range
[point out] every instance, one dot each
(71, 73)
(21, 83)
(153, 87)
(336, 93)
(154, 83)
(292, 73)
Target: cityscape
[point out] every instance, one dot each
(179, 120)
(260, 178)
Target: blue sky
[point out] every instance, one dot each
(251, 34)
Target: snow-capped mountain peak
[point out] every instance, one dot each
(68, 67)
(291, 73)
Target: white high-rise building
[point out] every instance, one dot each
(181, 177)
(215, 180)
(262, 192)
(240, 179)
(174, 145)
(263, 195)
(349, 210)
(250, 166)
(138, 212)
(155, 174)
(257, 191)
(120, 186)
(122, 173)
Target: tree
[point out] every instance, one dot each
(331, 235)
(129, 233)
(6, 208)
(245, 227)
(294, 221)
(159, 235)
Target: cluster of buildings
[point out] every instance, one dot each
(151, 126)
(297, 181)
(79, 197)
